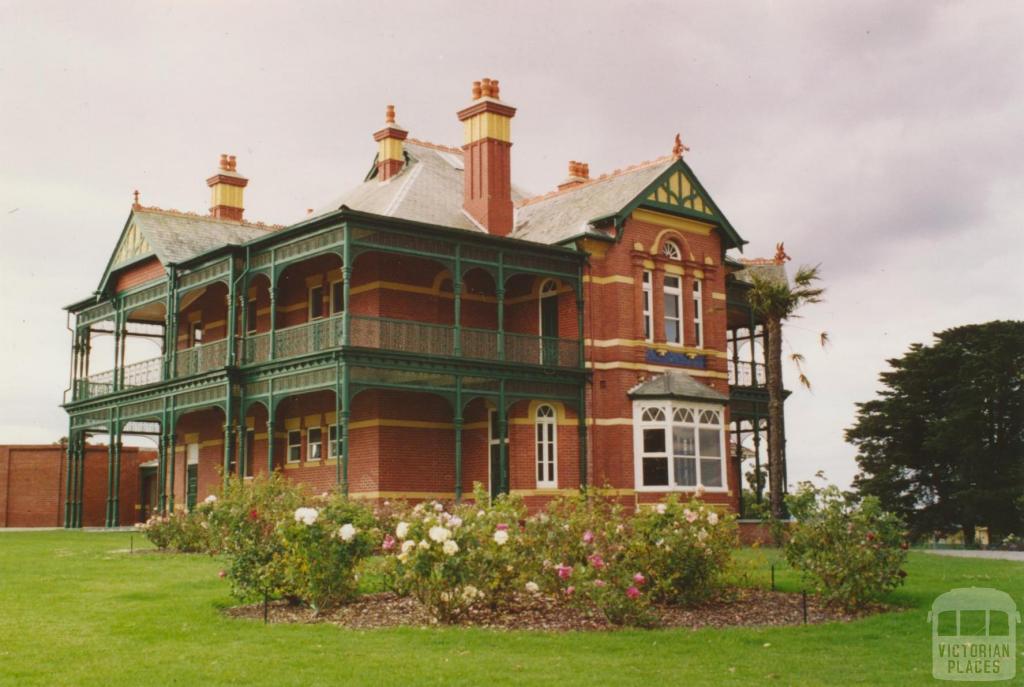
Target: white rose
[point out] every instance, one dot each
(450, 547)
(712, 518)
(500, 537)
(402, 530)
(407, 546)
(307, 516)
(439, 534)
(347, 532)
(454, 521)
(532, 587)
(424, 544)
(210, 499)
(660, 508)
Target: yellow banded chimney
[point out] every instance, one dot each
(226, 187)
(390, 153)
(487, 158)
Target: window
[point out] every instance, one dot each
(294, 446)
(250, 316)
(679, 446)
(671, 250)
(316, 302)
(334, 442)
(314, 443)
(337, 297)
(648, 319)
(547, 447)
(673, 309)
(698, 315)
(195, 334)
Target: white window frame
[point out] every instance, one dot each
(297, 445)
(671, 250)
(698, 313)
(337, 308)
(310, 301)
(195, 334)
(668, 409)
(546, 446)
(674, 292)
(314, 449)
(333, 442)
(647, 305)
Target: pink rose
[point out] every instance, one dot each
(570, 590)
(639, 578)
(633, 592)
(222, 574)
(501, 526)
(599, 583)
(389, 543)
(588, 537)
(596, 561)
(564, 571)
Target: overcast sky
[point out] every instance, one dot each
(882, 140)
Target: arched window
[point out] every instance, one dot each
(547, 447)
(670, 249)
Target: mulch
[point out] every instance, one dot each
(740, 608)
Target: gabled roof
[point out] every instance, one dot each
(676, 384)
(428, 189)
(174, 237)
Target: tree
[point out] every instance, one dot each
(775, 301)
(943, 443)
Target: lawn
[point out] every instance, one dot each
(77, 609)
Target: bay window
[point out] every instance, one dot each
(678, 446)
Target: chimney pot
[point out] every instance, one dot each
(476, 90)
(389, 116)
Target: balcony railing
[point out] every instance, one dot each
(367, 332)
(746, 374)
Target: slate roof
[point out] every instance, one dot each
(560, 215)
(178, 236)
(767, 269)
(676, 384)
(428, 189)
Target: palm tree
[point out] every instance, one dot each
(776, 300)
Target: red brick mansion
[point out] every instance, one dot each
(431, 328)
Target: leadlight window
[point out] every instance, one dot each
(679, 446)
(547, 446)
(314, 443)
(648, 318)
(673, 309)
(294, 446)
(670, 249)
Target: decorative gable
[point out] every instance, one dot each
(133, 245)
(676, 192)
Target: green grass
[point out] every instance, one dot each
(75, 609)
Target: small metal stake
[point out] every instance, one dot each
(773, 576)
(131, 544)
(805, 606)
(266, 610)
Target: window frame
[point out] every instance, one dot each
(675, 292)
(698, 313)
(333, 442)
(647, 304)
(297, 445)
(251, 315)
(668, 409)
(314, 449)
(310, 301)
(546, 447)
(670, 250)
(195, 334)
(337, 307)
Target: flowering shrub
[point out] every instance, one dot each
(686, 549)
(452, 559)
(321, 547)
(182, 531)
(245, 523)
(852, 551)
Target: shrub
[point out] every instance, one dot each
(245, 523)
(182, 531)
(686, 548)
(321, 545)
(851, 550)
(453, 559)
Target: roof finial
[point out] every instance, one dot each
(135, 195)
(780, 253)
(678, 149)
(389, 115)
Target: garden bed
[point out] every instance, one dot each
(743, 608)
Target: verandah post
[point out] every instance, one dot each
(457, 299)
(582, 415)
(457, 423)
(333, 442)
(67, 476)
(172, 441)
(161, 466)
(115, 513)
(502, 435)
(229, 417)
(346, 407)
(110, 470)
(500, 298)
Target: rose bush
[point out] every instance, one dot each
(850, 549)
(182, 531)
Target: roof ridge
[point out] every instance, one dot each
(435, 146)
(607, 176)
(196, 215)
(759, 261)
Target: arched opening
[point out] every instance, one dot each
(202, 330)
(196, 469)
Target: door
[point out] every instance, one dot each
(148, 490)
(192, 476)
(549, 324)
(494, 445)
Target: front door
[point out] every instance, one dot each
(549, 328)
(494, 445)
(192, 476)
(148, 490)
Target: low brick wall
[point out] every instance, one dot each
(33, 485)
(757, 532)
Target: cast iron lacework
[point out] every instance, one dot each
(204, 274)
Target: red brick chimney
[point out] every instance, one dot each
(579, 172)
(226, 190)
(487, 148)
(390, 156)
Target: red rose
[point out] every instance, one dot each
(254, 514)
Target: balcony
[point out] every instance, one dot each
(405, 336)
(747, 374)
